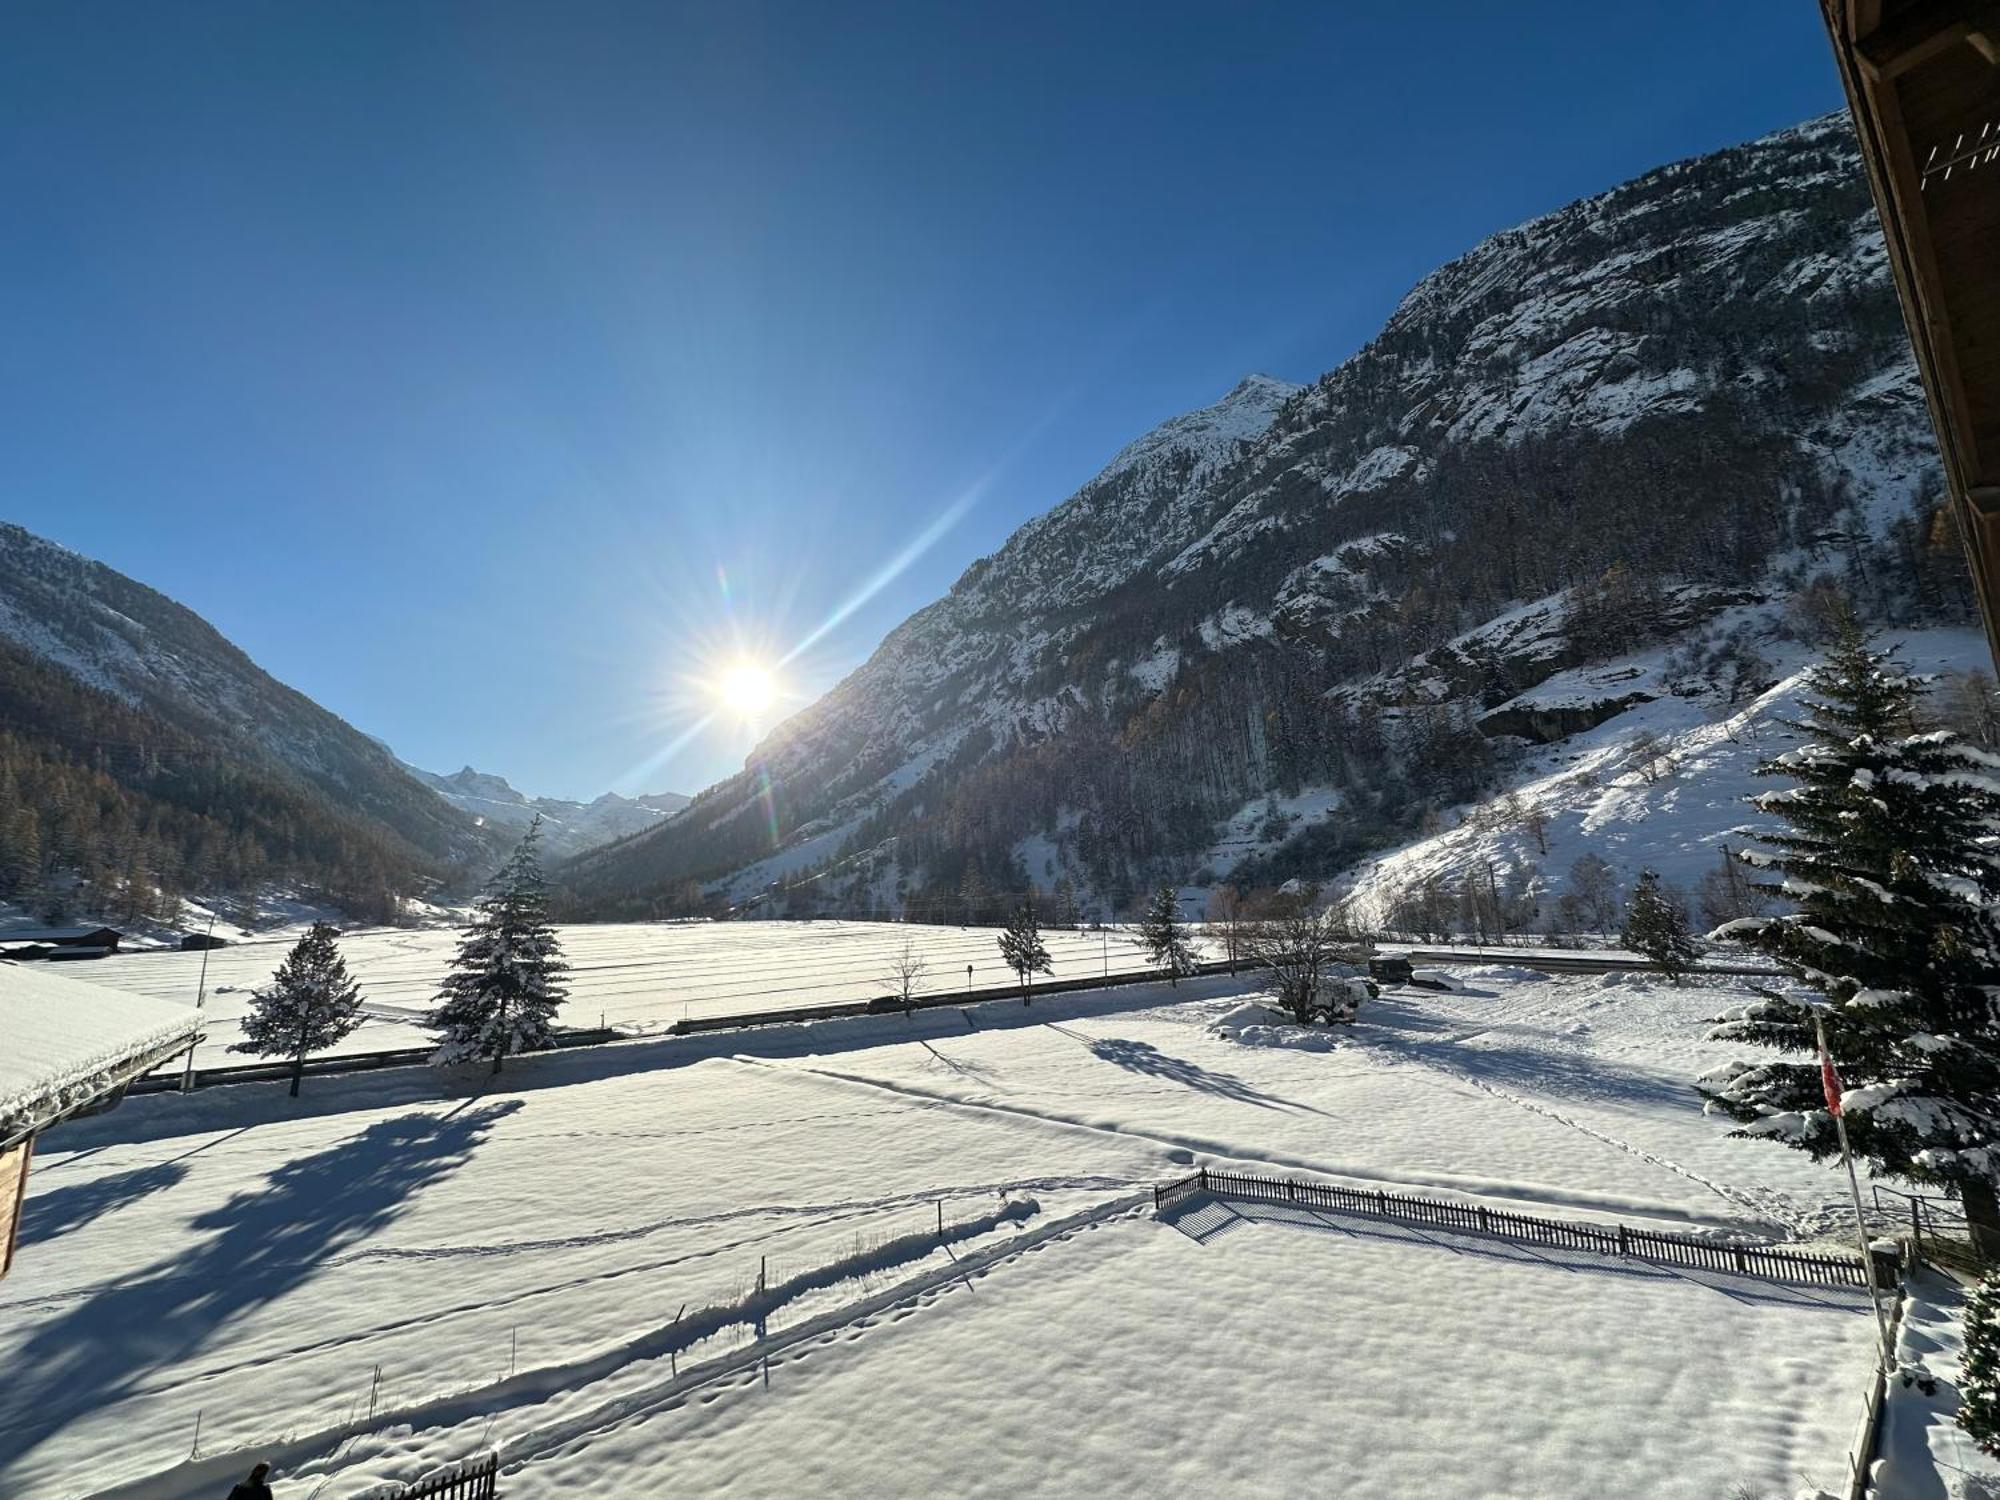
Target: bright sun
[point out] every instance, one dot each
(746, 690)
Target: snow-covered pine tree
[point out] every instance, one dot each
(1021, 945)
(1166, 936)
(1656, 925)
(310, 1004)
(1979, 1366)
(506, 982)
(1890, 860)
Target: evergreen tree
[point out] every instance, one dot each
(310, 1005)
(1166, 936)
(506, 982)
(1890, 859)
(1979, 1372)
(1656, 925)
(1021, 945)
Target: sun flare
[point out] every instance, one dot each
(746, 690)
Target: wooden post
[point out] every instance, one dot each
(940, 1209)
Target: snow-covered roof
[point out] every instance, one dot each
(53, 934)
(64, 1041)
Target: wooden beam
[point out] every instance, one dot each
(1923, 31)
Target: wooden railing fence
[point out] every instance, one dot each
(1772, 1262)
(474, 1480)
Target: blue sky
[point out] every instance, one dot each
(490, 372)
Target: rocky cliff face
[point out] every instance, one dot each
(1606, 427)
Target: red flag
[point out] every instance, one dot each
(1829, 1081)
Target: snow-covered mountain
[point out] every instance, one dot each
(148, 758)
(568, 827)
(1598, 432)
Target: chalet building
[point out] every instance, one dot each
(59, 943)
(1923, 83)
(69, 1048)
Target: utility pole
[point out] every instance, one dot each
(200, 995)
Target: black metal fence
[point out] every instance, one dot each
(1772, 1262)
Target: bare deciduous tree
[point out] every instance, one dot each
(1230, 920)
(906, 974)
(1301, 945)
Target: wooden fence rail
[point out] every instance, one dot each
(475, 1480)
(1772, 1262)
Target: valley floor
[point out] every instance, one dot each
(713, 1265)
(634, 976)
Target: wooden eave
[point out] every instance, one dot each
(1923, 83)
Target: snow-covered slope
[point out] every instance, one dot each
(1662, 785)
(116, 636)
(568, 827)
(1595, 432)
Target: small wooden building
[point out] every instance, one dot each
(60, 942)
(69, 1048)
(1923, 82)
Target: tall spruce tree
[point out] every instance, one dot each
(1979, 1367)
(311, 1003)
(1656, 925)
(1890, 859)
(1166, 936)
(506, 982)
(1021, 945)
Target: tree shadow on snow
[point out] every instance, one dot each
(1508, 1058)
(1145, 1058)
(139, 1331)
(58, 1211)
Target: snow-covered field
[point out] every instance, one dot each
(636, 976)
(564, 1263)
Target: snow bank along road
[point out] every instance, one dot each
(567, 1265)
(635, 976)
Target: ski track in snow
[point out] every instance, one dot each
(320, 1454)
(891, 1306)
(1769, 1211)
(1534, 1193)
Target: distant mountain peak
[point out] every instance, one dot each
(568, 827)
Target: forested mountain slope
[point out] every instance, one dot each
(142, 756)
(1610, 427)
